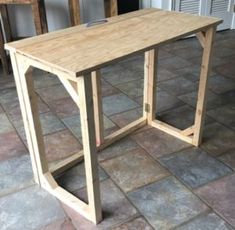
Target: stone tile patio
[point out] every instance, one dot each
(149, 180)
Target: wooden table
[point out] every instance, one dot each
(75, 55)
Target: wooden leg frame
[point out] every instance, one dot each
(85, 91)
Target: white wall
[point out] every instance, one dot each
(233, 23)
(57, 15)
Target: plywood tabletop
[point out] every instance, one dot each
(81, 49)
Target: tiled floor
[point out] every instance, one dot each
(149, 180)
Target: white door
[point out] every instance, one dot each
(221, 9)
(189, 6)
(215, 8)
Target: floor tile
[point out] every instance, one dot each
(107, 89)
(226, 69)
(164, 74)
(31, 208)
(13, 110)
(74, 125)
(184, 53)
(75, 178)
(116, 208)
(219, 84)
(220, 196)
(174, 63)
(61, 145)
(134, 169)
(191, 73)
(6, 82)
(195, 167)
(167, 203)
(64, 107)
(117, 148)
(207, 221)
(136, 224)
(117, 103)
(15, 174)
(158, 143)
(224, 115)
(134, 64)
(5, 125)
(52, 93)
(229, 158)
(133, 88)
(50, 123)
(121, 75)
(11, 146)
(213, 100)
(8, 95)
(63, 224)
(178, 86)
(44, 80)
(191, 43)
(217, 139)
(181, 117)
(1, 109)
(164, 101)
(123, 119)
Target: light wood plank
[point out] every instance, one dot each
(150, 85)
(171, 130)
(65, 164)
(89, 145)
(168, 26)
(203, 86)
(98, 107)
(123, 132)
(201, 37)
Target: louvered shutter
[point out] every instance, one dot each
(221, 9)
(187, 6)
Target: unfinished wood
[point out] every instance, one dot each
(29, 109)
(171, 130)
(203, 85)
(201, 37)
(70, 87)
(74, 9)
(67, 198)
(17, 77)
(102, 39)
(98, 107)
(38, 12)
(150, 84)
(111, 8)
(71, 30)
(89, 147)
(39, 16)
(188, 131)
(64, 164)
(133, 126)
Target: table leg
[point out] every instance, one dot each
(111, 8)
(30, 114)
(150, 85)
(3, 54)
(89, 146)
(203, 86)
(5, 22)
(98, 108)
(74, 9)
(39, 15)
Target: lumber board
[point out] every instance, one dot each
(112, 41)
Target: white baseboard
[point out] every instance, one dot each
(233, 22)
